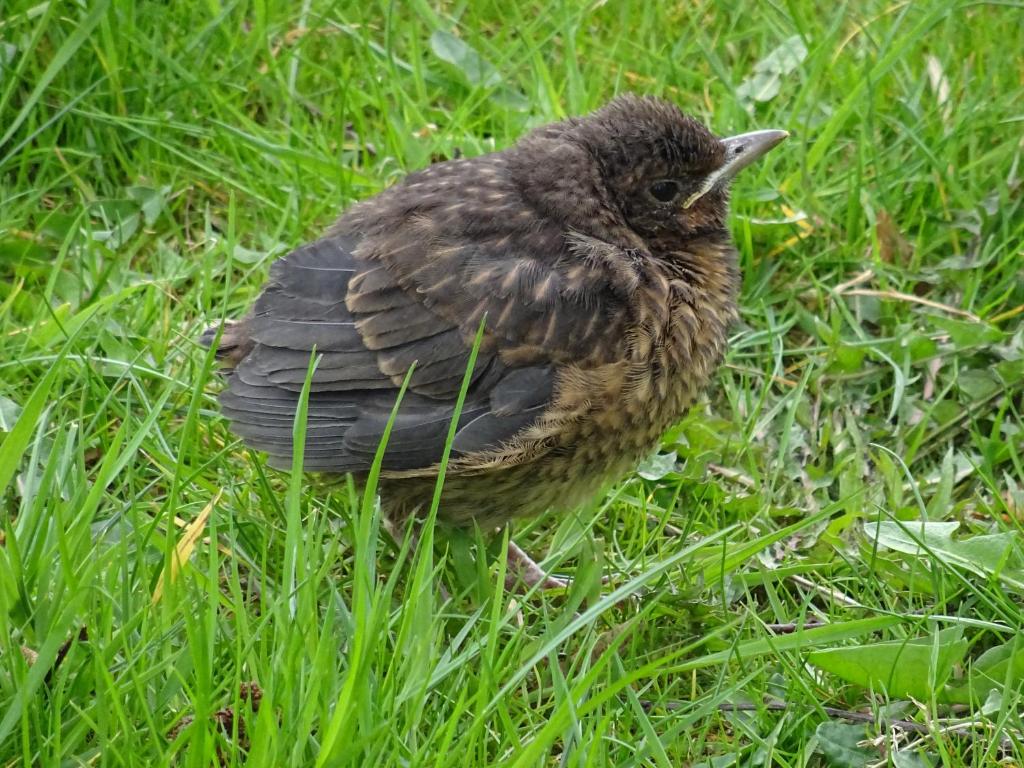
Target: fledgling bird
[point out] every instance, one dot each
(596, 253)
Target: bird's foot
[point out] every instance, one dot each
(522, 567)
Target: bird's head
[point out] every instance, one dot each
(660, 172)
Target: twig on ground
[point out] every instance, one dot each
(790, 628)
(830, 592)
(911, 298)
(856, 280)
(732, 474)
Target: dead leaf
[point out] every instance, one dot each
(32, 657)
(228, 721)
(893, 248)
(183, 550)
(62, 652)
(940, 84)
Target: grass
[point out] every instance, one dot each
(156, 157)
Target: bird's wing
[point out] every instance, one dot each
(368, 330)
(546, 298)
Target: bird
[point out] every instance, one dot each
(590, 268)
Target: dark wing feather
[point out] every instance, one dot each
(515, 403)
(547, 297)
(367, 332)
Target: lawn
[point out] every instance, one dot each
(824, 564)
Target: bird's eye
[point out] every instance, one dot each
(664, 191)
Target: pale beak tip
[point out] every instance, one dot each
(742, 150)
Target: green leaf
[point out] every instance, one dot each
(151, 201)
(719, 761)
(8, 53)
(939, 504)
(978, 385)
(120, 219)
(838, 743)
(18, 252)
(916, 667)
(9, 413)
(474, 67)
(766, 81)
(657, 466)
(848, 358)
(1010, 372)
(910, 760)
(997, 668)
(967, 333)
(991, 555)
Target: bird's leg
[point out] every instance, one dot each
(396, 534)
(522, 566)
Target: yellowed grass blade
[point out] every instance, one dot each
(183, 550)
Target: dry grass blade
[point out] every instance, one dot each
(183, 549)
(909, 297)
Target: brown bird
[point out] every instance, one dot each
(596, 253)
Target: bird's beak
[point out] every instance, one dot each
(740, 151)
